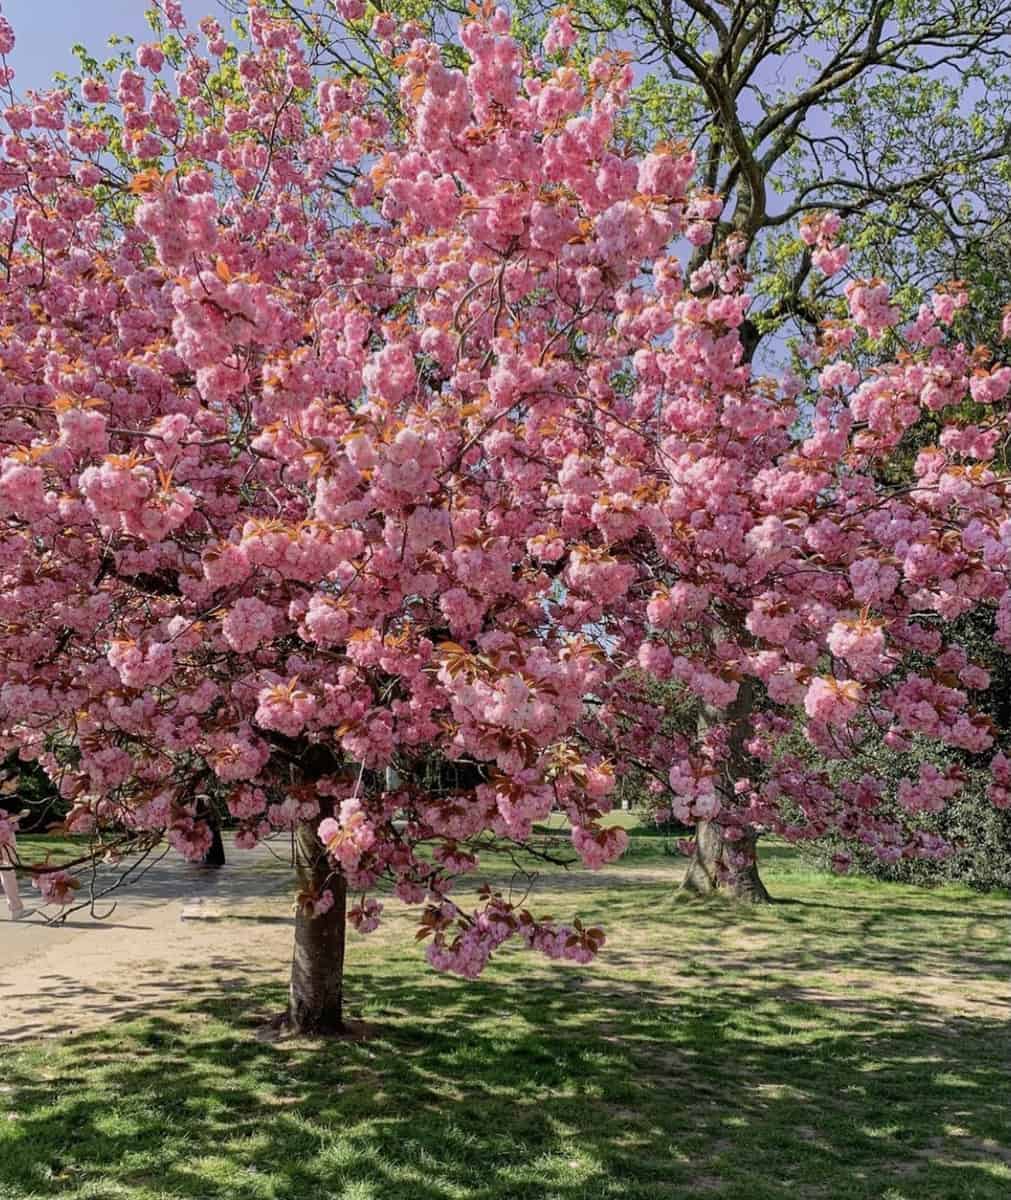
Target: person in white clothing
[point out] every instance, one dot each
(8, 876)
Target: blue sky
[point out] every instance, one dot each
(46, 29)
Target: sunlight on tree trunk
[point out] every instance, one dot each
(705, 875)
(315, 1000)
(703, 879)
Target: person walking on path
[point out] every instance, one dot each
(8, 876)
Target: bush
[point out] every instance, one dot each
(28, 792)
(980, 833)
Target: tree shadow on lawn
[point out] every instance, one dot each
(832, 930)
(522, 1086)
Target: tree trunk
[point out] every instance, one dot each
(704, 873)
(703, 878)
(316, 993)
(215, 856)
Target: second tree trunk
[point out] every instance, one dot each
(705, 871)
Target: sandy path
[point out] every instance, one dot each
(165, 939)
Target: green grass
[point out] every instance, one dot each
(646, 838)
(849, 1043)
(34, 847)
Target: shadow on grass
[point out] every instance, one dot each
(527, 1086)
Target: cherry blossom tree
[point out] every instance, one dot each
(894, 117)
(338, 447)
(793, 580)
(284, 400)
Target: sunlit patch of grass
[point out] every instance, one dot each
(851, 1041)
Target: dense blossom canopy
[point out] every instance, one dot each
(331, 443)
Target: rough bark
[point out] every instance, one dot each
(703, 876)
(316, 992)
(703, 879)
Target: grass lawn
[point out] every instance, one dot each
(852, 1042)
(60, 848)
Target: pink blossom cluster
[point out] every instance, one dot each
(861, 645)
(349, 836)
(931, 790)
(561, 33)
(870, 306)
(57, 887)
(832, 701)
(249, 623)
(467, 952)
(820, 234)
(365, 917)
(598, 847)
(1000, 781)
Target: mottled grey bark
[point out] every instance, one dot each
(703, 877)
(316, 992)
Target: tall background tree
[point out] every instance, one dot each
(896, 115)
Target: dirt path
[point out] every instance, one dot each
(167, 937)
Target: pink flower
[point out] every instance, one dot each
(57, 887)
(870, 307)
(599, 846)
(561, 35)
(999, 791)
(95, 91)
(237, 755)
(142, 667)
(150, 57)
(349, 836)
(351, 10)
(391, 373)
(834, 701)
(21, 491)
(830, 262)
(861, 644)
(248, 624)
(286, 708)
(945, 304)
(365, 917)
(931, 790)
(192, 838)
